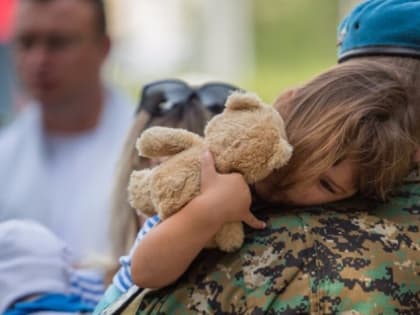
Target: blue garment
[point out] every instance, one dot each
(88, 284)
(122, 279)
(381, 27)
(50, 302)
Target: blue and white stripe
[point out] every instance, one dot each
(122, 279)
(87, 284)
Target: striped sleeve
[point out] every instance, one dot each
(122, 279)
(87, 284)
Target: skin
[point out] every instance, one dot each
(59, 53)
(338, 182)
(417, 156)
(181, 237)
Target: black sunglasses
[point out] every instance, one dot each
(159, 97)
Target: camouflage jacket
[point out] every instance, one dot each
(346, 258)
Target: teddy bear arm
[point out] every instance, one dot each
(139, 192)
(282, 153)
(175, 184)
(164, 141)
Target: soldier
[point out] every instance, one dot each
(351, 257)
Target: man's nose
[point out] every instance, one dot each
(38, 57)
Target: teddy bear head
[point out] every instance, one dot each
(249, 137)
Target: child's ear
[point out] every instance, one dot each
(416, 157)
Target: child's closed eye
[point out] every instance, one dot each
(327, 186)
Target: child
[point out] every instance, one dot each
(347, 292)
(351, 132)
(170, 103)
(36, 273)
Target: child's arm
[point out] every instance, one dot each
(168, 249)
(122, 280)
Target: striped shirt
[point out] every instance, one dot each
(122, 279)
(88, 284)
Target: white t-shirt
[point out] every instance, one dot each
(64, 182)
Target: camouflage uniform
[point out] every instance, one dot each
(345, 258)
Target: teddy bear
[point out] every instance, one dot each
(248, 137)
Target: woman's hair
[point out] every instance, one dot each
(360, 111)
(124, 223)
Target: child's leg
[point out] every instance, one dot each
(110, 296)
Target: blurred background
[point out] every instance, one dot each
(261, 45)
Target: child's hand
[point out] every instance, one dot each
(228, 194)
(179, 238)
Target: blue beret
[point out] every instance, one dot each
(381, 28)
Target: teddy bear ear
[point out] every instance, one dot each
(282, 154)
(244, 101)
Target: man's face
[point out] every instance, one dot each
(57, 49)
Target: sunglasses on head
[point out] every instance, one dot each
(160, 97)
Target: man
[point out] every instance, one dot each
(365, 34)
(58, 157)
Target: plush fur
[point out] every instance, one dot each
(248, 137)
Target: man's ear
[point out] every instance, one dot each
(104, 46)
(416, 157)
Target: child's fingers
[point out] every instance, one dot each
(253, 222)
(208, 170)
